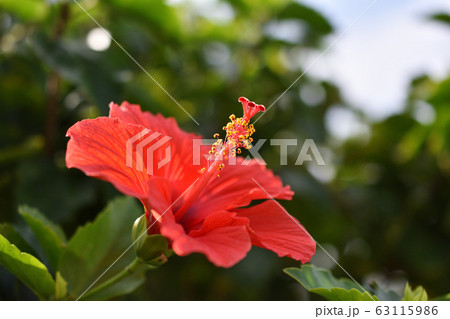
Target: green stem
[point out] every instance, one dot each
(131, 268)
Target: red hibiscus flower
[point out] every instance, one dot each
(185, 201)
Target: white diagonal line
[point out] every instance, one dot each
(320, 56)
(303, 228)
(129, 247)
(136, 62)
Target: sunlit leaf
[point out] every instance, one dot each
(15, 238)
(418, 294)
(28, 10)
(26, 268)
(61, 287)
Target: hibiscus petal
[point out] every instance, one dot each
(271, 227)
(223, 238)
(98, 148)
(158, 205)
(132, 113)
(180, 169)
(236, 187)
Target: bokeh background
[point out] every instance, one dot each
(377, 104)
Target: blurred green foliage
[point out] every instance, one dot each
(385, 214)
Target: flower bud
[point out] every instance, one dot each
(150, 249)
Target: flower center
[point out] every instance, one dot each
(238, 135)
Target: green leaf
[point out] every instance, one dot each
(443, 298)
(28, 10)
(61, 287)
(441, 17)
(322, 282)
(27, 268)
(50, 236)
(160, 15)
(418, 294)
(15, 238)
(97, 245)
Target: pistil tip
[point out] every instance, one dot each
(250, 108)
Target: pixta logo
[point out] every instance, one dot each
(142, 148)
(309, 152)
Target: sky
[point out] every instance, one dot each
(374, 62)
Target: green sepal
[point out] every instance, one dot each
(150, 249)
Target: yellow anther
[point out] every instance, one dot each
(203, 169)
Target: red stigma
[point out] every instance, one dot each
(250, 108)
